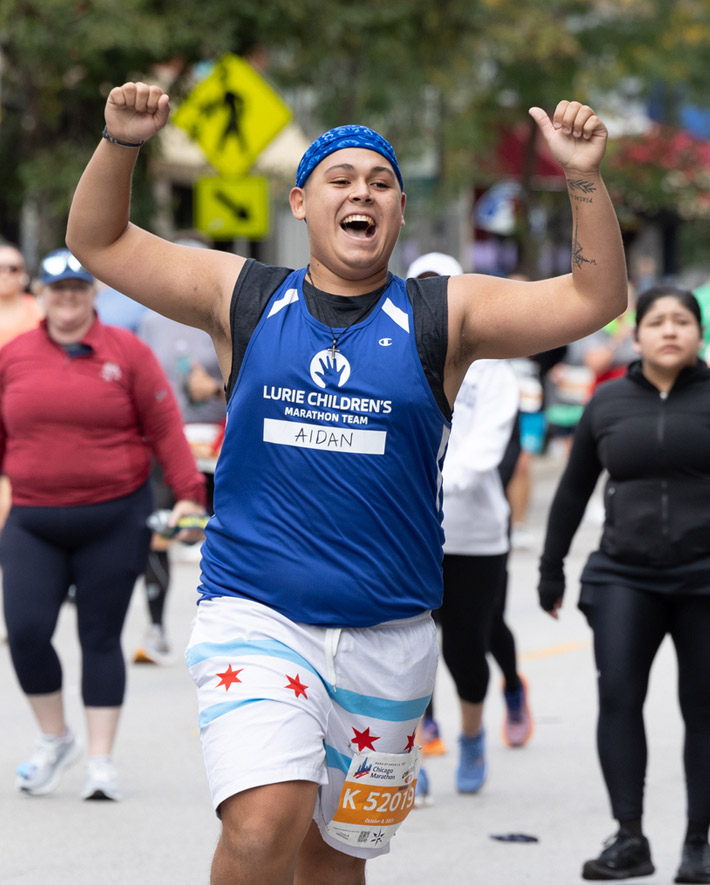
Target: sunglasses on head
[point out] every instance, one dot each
(54, 265)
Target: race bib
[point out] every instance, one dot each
(377, 795)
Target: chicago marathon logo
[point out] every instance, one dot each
(328, 370)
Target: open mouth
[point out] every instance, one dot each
(359, 225)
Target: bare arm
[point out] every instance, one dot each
(492, 317)
(192, 286)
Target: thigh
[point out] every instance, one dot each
(690, 631)
(471, 584)
(629, 626)
(111, 553)
(35, 572)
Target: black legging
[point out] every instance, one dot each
(629, 626)
(502, 641)
(471, 619)
(100, 548)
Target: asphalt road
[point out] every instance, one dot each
(164, 831)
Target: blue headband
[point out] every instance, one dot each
(345, 137)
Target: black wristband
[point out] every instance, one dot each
(128, 144)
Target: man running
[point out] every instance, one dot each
(313, 650)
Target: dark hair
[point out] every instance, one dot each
(647, 299)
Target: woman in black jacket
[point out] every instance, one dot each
(651, 576)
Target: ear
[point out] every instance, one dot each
(637, 346)
(404, 203)
(297, 200)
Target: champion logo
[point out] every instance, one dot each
(111, 372)
(385, 342)
(328, 370)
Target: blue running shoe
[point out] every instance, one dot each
(472, 765)
(421, 790)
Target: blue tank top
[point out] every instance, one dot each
(328, 488)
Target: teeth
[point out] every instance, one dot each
(364, 219)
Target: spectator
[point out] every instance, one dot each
(82, 408)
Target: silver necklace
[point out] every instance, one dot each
(360, 316)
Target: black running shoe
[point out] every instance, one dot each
(695, 862)
(623, 856)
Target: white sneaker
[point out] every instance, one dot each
(155, 648)
(100, 782)
(41, 773)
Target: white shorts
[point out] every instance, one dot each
(282, 701)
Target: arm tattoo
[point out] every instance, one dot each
(580, 185)
(578, 259)
(577, 188)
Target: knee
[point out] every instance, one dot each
(104, 640)
(619, 697)
(471, 680)
(250, 842)
(254, 848)
(28, 637)
(263, 828)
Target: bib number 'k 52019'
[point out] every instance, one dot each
(377, 796)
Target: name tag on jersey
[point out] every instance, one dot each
(318, 436)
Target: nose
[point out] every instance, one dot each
(360, 192)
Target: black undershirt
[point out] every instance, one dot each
(257, 283)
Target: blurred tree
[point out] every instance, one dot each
(60, 58)
(441, 80)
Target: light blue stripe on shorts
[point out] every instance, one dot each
(269, 647)
(350, 701)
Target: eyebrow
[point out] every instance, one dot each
(350, 168)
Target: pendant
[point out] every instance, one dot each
(333, 350)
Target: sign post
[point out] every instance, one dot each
(233, 114)
(226, 209)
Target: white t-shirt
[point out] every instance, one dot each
(476, 511)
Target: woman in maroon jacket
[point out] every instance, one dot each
(83, 408)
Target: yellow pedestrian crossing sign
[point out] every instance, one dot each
(226, 209)
(232, 114)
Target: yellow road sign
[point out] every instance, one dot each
(232, 114)
(229, 208)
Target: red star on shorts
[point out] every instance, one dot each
(410, 741)
(364, 739)
(298, 687)
(229, 677)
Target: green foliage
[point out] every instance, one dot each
(60, 60)
(439, 79)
